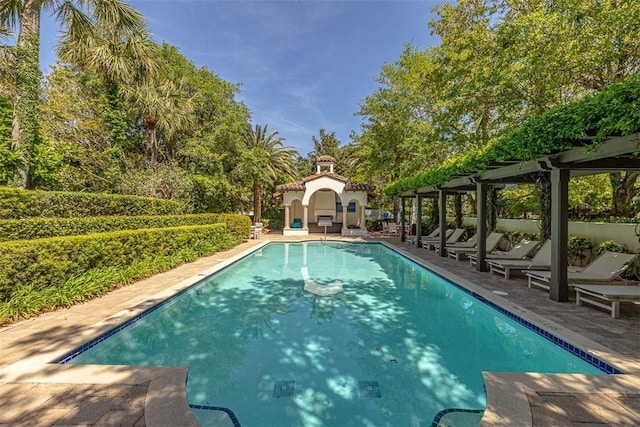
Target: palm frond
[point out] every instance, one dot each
(10, 11)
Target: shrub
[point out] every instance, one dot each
(17, 203)
(579, 250)
(39, 228)
(611, 246)
(43, 263)
(238, 225)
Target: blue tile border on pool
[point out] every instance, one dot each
(67, 357)
(439, 415)
(592, 360)
(229, 412)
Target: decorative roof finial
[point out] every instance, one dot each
(325, 161)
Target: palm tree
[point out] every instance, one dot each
(263, 160)
(122, 58)
(79, 19)
(165, 106)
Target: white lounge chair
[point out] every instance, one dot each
(256, 231)
(435, 236)
(471, 242)
(607, 296)
(541, 260)
(452, 237)
(393, 229)
(521, 250)
(605, 269)
(491, 242)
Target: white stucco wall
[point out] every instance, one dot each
(321, 184)
(598, 231)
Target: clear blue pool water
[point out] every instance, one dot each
(312, 334)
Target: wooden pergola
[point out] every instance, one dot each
(617, 153)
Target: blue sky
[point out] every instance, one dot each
(302, 65)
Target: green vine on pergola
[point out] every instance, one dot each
(613, 112)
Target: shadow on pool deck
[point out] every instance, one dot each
(34, 392)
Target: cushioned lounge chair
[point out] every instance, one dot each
(434, 234)
(541, 260)
(297, 223)
(471, 242)
(452, 238)
(491, 243)
(521, 250)
(605, 269)
(607, 296)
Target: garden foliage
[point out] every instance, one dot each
(17, 203)
(64, 248)
(44, 227)
(612, 112)
(47, 263)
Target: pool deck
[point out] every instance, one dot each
(35, 392)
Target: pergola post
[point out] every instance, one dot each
(481, 226)
(559, 290)
(419, 222)
(403, 236)
(443, 222)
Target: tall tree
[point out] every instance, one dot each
(263, 160)
(327, 144)
(122, 58)
(78, 19)
(165, 106)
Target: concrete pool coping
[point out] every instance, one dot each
(165, 402)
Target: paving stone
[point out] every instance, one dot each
(44, 417)
(120, 417)
(631, 401)
(92, 409)
(548, 415)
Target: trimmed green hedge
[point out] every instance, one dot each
(16, 203)
(39, 228)
(45, 263)
(615, 111)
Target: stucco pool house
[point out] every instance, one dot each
(324, 199)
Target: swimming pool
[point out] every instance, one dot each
(331, 334)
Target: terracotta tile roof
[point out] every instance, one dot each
(326, 159)
(301, 185)
(355, 186)
(291, 186)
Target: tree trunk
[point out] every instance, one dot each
(257, 202)
(25, 132)
(492, 209)
(457, 205)
(543, 191)
(623, 191)
(434, 214)
(154, 143)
